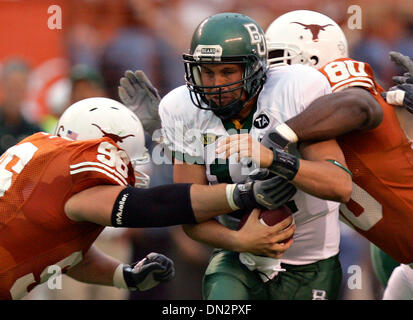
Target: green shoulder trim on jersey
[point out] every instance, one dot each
(338, 164)
(247, 123)
(187, 158)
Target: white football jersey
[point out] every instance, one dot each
(192, 133)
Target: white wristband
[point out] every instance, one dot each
(395, 97)
(288, 133)
(229, 190)
(118, 279)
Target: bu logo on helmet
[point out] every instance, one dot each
(314, 28)
(113, 136)
(256, 38)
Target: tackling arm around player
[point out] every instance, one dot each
(94, 205)
(89, 175)
(111, 205)
(336, 114)
(316, 173)
(352, 109)
(206, 202)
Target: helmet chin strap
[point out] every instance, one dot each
(228, 111)
(232, 109)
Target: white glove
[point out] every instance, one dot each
(267, 267)
(139, 95)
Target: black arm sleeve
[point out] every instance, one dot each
(160, 206)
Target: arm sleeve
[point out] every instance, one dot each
(160, 206)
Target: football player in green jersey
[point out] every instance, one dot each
(230, 91)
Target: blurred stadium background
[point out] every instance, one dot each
(43, 70)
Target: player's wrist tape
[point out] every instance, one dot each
(118, 278)
(160, 206)
(229, 191)
(122, 278)
(338, 164)
(243, 196)
(395, 97)
(287, 133)
(284, 164)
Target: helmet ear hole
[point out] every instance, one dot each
(275, 54)
(314, 60)
(196, 73)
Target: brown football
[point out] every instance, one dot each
(270, 217)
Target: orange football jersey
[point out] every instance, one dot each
(381, 160)
(37, 177)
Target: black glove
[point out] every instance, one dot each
(269, 194)
(149, 272)
(405, 78)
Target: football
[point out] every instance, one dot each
(271, 217)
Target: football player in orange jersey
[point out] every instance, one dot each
(370, 131)
(400, 281)
(57, 194)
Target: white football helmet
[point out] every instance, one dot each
(95, 118)
(305, 37)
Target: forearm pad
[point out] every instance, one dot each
(160, 206)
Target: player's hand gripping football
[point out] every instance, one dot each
(149, 272)
(139, 95)
(259, 239)
(402, 93)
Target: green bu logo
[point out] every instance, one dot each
(257, 38)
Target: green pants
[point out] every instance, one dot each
(226, 278)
